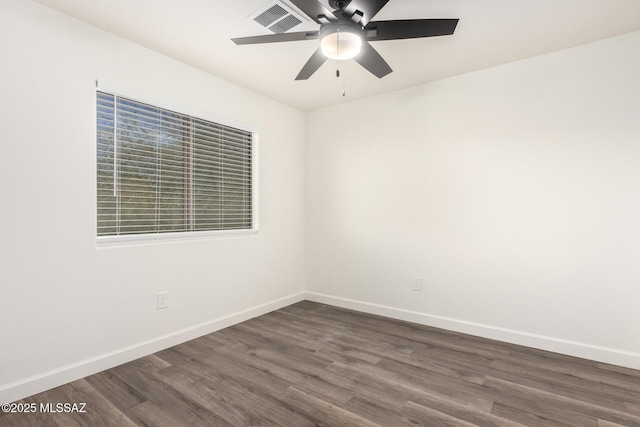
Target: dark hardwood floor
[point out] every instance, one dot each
(314, 365)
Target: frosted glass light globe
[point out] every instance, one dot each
(341, 45)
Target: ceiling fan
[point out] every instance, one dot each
(346, 31)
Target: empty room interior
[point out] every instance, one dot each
(320, 213)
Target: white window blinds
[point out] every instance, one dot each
(159, 171)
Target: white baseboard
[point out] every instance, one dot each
(48, 380)
(570, 348)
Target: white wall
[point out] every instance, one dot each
(514, 192)
(68, 308)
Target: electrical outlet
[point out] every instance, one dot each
(417, 283)
(163, 300)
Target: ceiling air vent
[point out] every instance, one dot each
(277, 17)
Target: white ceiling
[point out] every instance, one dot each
(490, 32)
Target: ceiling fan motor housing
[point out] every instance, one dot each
(339, 4)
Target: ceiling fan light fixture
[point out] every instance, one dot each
(345, 33)
(341, 45)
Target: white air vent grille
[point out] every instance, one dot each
(277, 17)
(271, 15)
(285, 24)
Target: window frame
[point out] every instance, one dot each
(149, 238)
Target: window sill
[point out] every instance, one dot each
(142, 239)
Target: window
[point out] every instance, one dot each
(161, 172)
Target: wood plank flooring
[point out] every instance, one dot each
(315, 365)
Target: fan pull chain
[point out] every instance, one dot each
(338, 55)
(338, 74)
(338, 64)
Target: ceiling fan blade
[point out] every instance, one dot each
(312, 65)
(277, 38)
(409, 29)
(370, 59)
(369, 9)
(313, 8)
